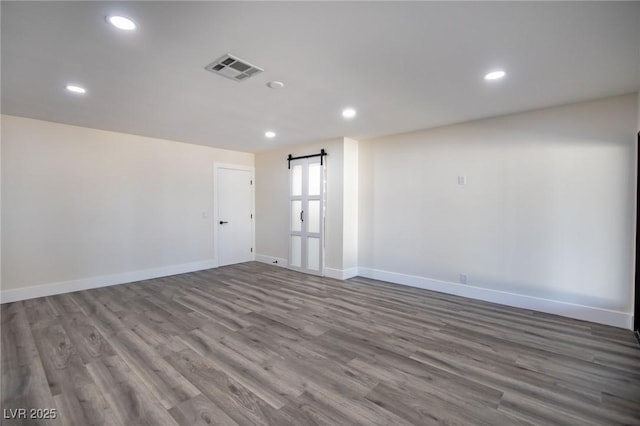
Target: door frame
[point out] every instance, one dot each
(636, 304)
(215, 215)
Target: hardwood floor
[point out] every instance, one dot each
(253, 344)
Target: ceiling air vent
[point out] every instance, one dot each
(234, 68)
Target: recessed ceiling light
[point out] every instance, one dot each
(76, 89)
(495, 75)
(348, 113)
(270, 134)
(275, 84)
(122, 23)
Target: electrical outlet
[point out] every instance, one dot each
(462, 180)
(463, 278)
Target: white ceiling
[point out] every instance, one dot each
(403, 66)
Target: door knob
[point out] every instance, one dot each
(222, 222)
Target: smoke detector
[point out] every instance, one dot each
(275, 84)
(232, 67)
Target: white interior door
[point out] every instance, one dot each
(234, 218)
(306, 217)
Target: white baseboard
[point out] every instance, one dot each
(582, 312)
(276, 261)
(571, 310)
(333, 273)
(340, 274)
(350, 273)
(13, 295)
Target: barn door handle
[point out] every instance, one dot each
(222, 222)
(301, 215)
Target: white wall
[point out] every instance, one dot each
(79, 203)
(350, 208)
(547, 212)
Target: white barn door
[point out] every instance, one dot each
(306, 215)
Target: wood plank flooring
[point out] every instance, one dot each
(253, 344)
